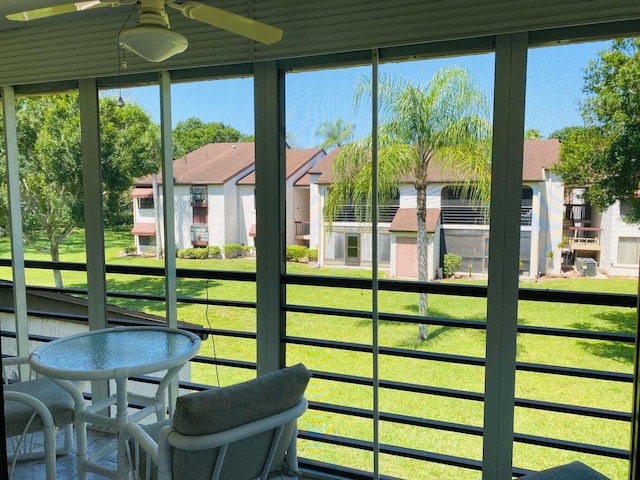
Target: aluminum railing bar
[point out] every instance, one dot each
(574, 372)
(440, 321)
(392, 450)
(434, 424)
(336, 440)
(397, 418)
(431, 457)
(573, 409)
(391, 317)
(47, 314)
(330, 470)
(140, 270)
(351, 347)
(37, 288)
(568, 332)
(438, 391)
(438, 357)
(326, 311)
(585, 298)
(184, 272)
(225, 363)
(359, 347)
(35, 337)
(402, 386)
(572, 446)
(191, 300)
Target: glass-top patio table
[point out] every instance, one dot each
(115, 354)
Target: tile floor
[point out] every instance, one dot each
(65, 464)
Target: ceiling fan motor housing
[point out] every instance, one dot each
(152, 13)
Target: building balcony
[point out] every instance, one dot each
(582, 238)
(361, 213)
(303, 228)
(476, 215)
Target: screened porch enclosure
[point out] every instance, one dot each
(495, 392)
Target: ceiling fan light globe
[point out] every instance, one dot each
(154, 43)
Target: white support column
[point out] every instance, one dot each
(168, 205)
(15, 222)
(502, 301)
(270, 223)
(169, 232)
(93, 215)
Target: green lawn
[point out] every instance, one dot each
(608, 356)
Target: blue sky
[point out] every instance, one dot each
(554, 91)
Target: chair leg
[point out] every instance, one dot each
(50, 451)
(82, 456)
(67, 447)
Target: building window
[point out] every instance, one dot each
(145, 203)
(200, 215)
(625, 208)
(629, 250)
(384, 247)
(199, 235)
(146, 240)
(199, 195)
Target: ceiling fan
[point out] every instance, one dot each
(152, 37)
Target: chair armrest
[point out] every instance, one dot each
(14, 361)
(136, 433)
(39, 407)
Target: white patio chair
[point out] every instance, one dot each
(242, 432)
(36, 405)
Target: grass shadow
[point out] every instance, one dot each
(619, 352)
(436, 333)
(616, 322)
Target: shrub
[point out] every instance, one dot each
(313, 254)
(450, 264)
(233, 250)
(130, 250)
(191, 253)
(295, 253)
(213, 251)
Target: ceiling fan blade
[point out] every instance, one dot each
(246, 27)
(59, 10)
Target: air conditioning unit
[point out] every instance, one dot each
(587, 266)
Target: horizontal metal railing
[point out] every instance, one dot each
(618, 300)
(362, 213)
(476, 215)
(303, 228)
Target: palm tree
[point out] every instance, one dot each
(335, 134)
(532, 134)
(444, 121)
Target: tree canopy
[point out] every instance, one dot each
(50, 165)
(604, 155)
(193, 133)
(532, 134)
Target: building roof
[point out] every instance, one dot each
(406, 220)
(297, 158)
(322, 169)
(215, 163)
(538, 155)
